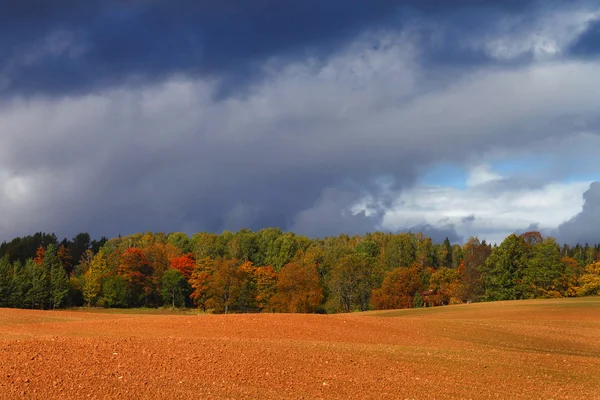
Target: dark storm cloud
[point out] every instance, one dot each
(583, 228)
(72, 46)
(139, 128)
(588, 44)
(331, 215)
(437, 234)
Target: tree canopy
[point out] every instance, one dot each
(275, 271)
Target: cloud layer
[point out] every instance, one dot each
(321, 125)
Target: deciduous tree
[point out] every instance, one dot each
(200, 282)
(298, 289)
(93, 278)
(174, 288)
(184, 264)
(398, 288)
(137, 271)
(445, 282)
(589, 283)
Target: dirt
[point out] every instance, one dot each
(546, 349)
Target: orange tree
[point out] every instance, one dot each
(398, 289)
(298, 289)
(137, 271)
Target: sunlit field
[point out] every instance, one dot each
(538, 349)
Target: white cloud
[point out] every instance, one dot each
(481, 174)
(546, 36)
(498, 210)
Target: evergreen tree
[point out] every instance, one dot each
(59, 282)
(504, 270)
(6, 282)
(35, 285)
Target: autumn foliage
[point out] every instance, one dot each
(184, 264)
(273, 271)
(398, 289)
(39, 256)
(298, 289)
(137, 271)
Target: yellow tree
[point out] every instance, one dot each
(92, 284)
(589, 283)
(567, 281)
(445, 283)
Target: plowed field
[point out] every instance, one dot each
(544, 349)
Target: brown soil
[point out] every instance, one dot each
(546, 349)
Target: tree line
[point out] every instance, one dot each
(274, 271)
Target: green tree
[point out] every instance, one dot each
(35, 285)
(59, 282)
(400, 251)
(445, 254)
(6, 282)
(351, 282)
(424, 252)
(20, 286)
(418, 301)
(114, 292)
(207, 245)
(265, 238)
(504, 270)
(60, 286)
(282, 251)
(242, 245)
(174, 288)
(476, 254)
(181, 241)
(543, 270)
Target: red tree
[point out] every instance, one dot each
(184, 264)
(137, 271)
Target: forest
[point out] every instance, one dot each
(274, 271)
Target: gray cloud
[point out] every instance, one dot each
(469, 218)
(72, 47)
(332, 215)
(583, 227)
(299, 149)
(437, 234)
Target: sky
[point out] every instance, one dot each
(456, 119)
